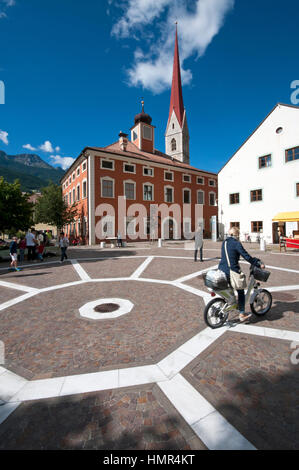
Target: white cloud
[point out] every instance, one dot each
(57, 149)
(4, 4)
(3, 137)
(64, 162)
(29, 147)
(47, 147)
(198, 24)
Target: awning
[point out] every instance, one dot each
(287, 217)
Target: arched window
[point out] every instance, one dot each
(173, 145)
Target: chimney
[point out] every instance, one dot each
(123, 141)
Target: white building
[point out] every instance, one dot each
(262, 178)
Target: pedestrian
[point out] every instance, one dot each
(22, 248)
(13, 251)
(231, 251)
(31, 242)
(198, 243)
(40, 251)
(63, 243)
(119, 240)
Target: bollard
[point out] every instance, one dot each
(262, 244)
(103, 244)
(159, 242)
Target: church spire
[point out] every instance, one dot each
(176, 99)
(177, 134)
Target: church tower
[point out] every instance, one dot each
(177, 134)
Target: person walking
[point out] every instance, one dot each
(30, 244)
(22, 248)
(198, 243)
(231, 251)
(63, 243)
(119, 240)
(13, 251)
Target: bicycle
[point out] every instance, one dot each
(217, 311)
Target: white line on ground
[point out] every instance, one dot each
(198, 273)
(142, 268)
(79, 270)
(12, 285)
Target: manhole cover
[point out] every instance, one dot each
(283, 296)
(106, 308)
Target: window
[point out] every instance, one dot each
(186, 196)
(173, 145)
(70, 180)
(74, 196)
(70, 198)
(134, 135)
(234, 198)
(200, 197)
(265, 162)
(83, 167)
(148, 171)
(148, 192)
(187, 178)
(173, 125)
(74, 176)
(235, 224)
(168, 175)
(107, 187)
(78, 171)
(279, 130)
(212, 199)
(147, 133)
(297, 189)
(78, 193)
(168, 194)
(200, 180)
(66, 184)
(129, 168)
(256, 195)
(130, 190)
(84, 189)
(107, 164)
(292, 154)
(212, 183)
(256, 227)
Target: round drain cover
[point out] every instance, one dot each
(106, 308)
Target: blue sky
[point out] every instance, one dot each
(75, 72)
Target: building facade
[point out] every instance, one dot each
(116, 187)
(261, 179)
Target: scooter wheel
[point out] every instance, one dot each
(261, 303)
(213, 316)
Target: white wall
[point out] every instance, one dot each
(278, 182)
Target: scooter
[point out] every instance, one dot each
(217, 311)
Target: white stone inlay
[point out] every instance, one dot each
(87, 310)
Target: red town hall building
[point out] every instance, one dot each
(100, 177)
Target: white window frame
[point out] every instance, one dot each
(84, 181)
(203, 194)
(78, 171)
(107, 160)
(169, 171)
(74, 176)
(130, 182)
(214, 183)
(78, 186)
(189, 176)
(130, 172)
(214, 205)
(148, 168)
(190, 195)
(107, 178)
(172, 188)
(153, 191)
(70, 197)
(202, 178)
(74, 194)
(84, 169)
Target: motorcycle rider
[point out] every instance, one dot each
(235, 249)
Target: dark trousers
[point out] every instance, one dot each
(200, 254)
(63, 253)
(31, 252)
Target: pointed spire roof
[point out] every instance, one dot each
(176, 98)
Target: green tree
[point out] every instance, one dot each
(52, 209)
(15, 210)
